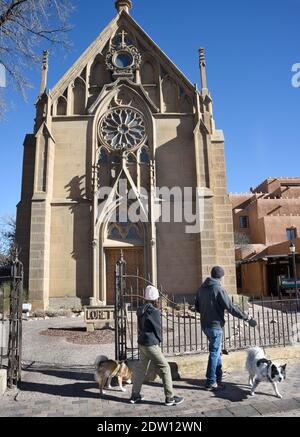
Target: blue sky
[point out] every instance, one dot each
(251, 46)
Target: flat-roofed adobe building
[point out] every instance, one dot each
(266, 222)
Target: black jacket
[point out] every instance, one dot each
(211, 302)
(149, 325)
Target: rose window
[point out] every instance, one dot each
(123, 129)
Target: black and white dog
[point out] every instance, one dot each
(261, 369)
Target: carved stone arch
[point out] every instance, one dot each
(101, 233)
(186, 104)
(136, 101)
(131, 158)
(150, 77)
(170, 92)
(102, 228)
(79, 97)
(99, 75)
(61, 108)
(150, 73)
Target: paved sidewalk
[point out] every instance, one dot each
(52, 392)
(58, 381)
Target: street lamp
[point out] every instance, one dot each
(293, 252)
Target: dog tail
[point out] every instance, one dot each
(255, 353)
(100, 359)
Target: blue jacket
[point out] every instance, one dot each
(212, 301)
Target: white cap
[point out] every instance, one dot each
(151, 293)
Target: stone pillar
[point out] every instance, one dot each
(223, 214)
(207, 249)
(40, 230)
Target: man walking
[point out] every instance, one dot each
(149, 339)
(211, 302)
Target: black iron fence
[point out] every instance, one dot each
(11, 292)
(278, 321)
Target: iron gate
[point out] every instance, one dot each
(11, 293)
(278, 321)
(180, 324)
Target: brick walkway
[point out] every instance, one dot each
(51, 392)
(65, 386)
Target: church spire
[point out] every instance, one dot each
(202, 65)
(123, 5)
(44, 72)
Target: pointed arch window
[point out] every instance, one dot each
(79, 97)
(170, 95)
(61, 106)
(126, 232)
(144, 157)
(148, 73)
(103, 158)
(131, 159)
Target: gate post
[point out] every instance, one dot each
(15, 324)
(120, 314)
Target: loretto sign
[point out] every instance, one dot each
(93, 316)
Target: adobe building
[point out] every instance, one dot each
(122, 110)
(266, 221)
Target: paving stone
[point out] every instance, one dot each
(287, 404)
(47, 392)
(219, 413)
(266, 407)
(243, 411)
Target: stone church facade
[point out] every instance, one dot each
(122, 111)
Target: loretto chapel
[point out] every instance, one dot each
(121, 139)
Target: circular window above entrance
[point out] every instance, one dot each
(123, 60)
(123, 129)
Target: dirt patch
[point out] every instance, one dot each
(81, 336)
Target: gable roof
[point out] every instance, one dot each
(99, 43)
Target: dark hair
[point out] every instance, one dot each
(217, 272)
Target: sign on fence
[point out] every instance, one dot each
(95, 315)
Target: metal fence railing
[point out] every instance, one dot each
(278, 321)
(11, 292)
(278, 324)
(3, 337)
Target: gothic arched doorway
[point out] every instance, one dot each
(130, 238)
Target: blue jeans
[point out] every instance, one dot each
(214, 367)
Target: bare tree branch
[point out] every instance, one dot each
(7, 238)
(24, 26)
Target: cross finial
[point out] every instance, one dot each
(123, 5)
(123, 35)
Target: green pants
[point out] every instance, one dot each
(152, 354)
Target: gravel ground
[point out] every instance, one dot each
(79, 335)
(60, 350)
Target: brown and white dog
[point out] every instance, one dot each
(106, 369)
